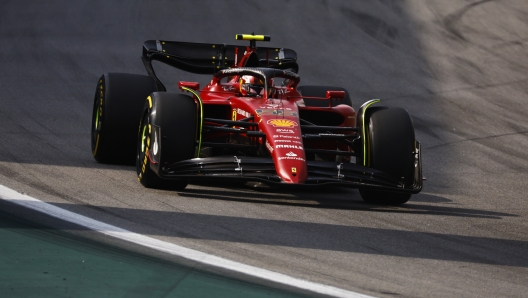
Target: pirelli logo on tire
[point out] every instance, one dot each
(145, 160)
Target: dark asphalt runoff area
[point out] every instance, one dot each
(459, 67)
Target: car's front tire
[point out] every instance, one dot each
(391, 147)
(167, 134)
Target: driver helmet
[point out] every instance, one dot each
(250, 86)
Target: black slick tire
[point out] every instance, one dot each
(391, 145)
(167, 134)
(117, 107)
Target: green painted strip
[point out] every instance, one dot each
(201, 117)
(38, 261)
(366, 105)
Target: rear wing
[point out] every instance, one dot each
(206, 58)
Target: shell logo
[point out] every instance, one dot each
(282, 123)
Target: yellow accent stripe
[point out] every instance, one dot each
(201, 117)
(364, 133)
(150, 101)
(252, 37)
(96, 145)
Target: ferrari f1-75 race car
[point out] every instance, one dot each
(253, 123)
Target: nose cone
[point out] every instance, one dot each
(279, 120)
(285, 145)
(292, 172)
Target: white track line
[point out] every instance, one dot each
(38, 205)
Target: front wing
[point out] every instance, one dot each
(261, 169)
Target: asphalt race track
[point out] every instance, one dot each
(459, 67)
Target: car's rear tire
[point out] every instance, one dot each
(320, 91)
(118, 103)
(391, 146)
(167, 134)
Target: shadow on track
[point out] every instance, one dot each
(312, 199)
(323, 236)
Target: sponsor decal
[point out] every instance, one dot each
(282, 146)
(270, 148)
(288, 141)
(282, 123)
(291, 158)
(285, 137)
(228, 88)
(282, 130)
(275, 112)
(291, 154)
(240, 112)
(243, 113)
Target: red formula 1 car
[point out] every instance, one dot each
(253, 123)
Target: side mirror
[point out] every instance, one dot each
(191, 85)
(335, 94)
